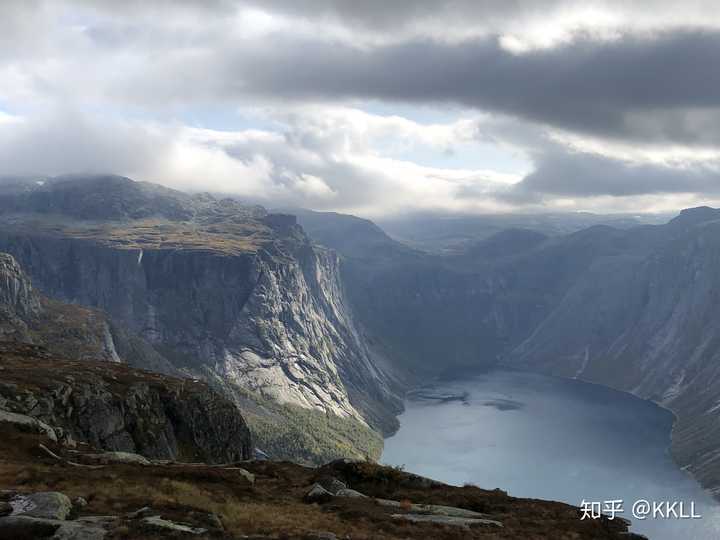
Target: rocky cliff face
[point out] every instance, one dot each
(115, 407)
(644, 321)
(67, 330)
(635, 309)
(18, 301)
(220, 290)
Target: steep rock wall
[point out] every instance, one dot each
(273, 320)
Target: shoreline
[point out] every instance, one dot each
(675, 418)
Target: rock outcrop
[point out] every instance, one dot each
(115, 407)
(67, 330)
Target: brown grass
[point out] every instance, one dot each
(229, 236)
(274, 504)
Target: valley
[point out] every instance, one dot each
(316, 326)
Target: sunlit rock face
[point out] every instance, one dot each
(217, 288)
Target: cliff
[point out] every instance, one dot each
(114, 407)
(221, 291)
(67, 330)
(643, 321)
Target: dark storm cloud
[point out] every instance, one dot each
(629, 87)
(383, 15)
(576, 174)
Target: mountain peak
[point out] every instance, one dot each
(693, 216)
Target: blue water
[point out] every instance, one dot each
(551, 438)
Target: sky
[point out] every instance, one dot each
(373, 107)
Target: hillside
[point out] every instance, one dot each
(56, 488)
(631, 308)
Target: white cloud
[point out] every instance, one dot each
(106, 86)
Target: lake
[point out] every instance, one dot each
(551, 438)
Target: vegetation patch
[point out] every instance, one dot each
(308, 436)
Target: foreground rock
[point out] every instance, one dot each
(419, 513)
(28, 422)
(157, 522)
(115, 407)
(116, 457)
(45, 505)
(447, 520)
(132, 499)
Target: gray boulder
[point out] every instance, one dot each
(156, 522)
(350, 493)
(28, 423)
(43, 505)
(318, 494)
(332, 484)
(108, 458)
(447, 520)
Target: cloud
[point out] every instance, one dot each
(660, 87)
(565, 173)
(581, 103)
(325, 158)
(635, 85)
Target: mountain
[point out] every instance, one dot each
(349, 235)
(220, 290)
(453, 233)
(632, 308)
(644, 320)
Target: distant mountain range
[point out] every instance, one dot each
(453, 233)
(635, 308)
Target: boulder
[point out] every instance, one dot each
(350, 493)
(28, 423)
(156, 522)
(142, 512)
(440, 510)
(447, 520)
(110, 458)
(246, 475)
(318, 494)
(43, 505)
(332, 484)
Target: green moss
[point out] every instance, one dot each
(289, 432)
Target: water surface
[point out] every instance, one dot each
(546, 437)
